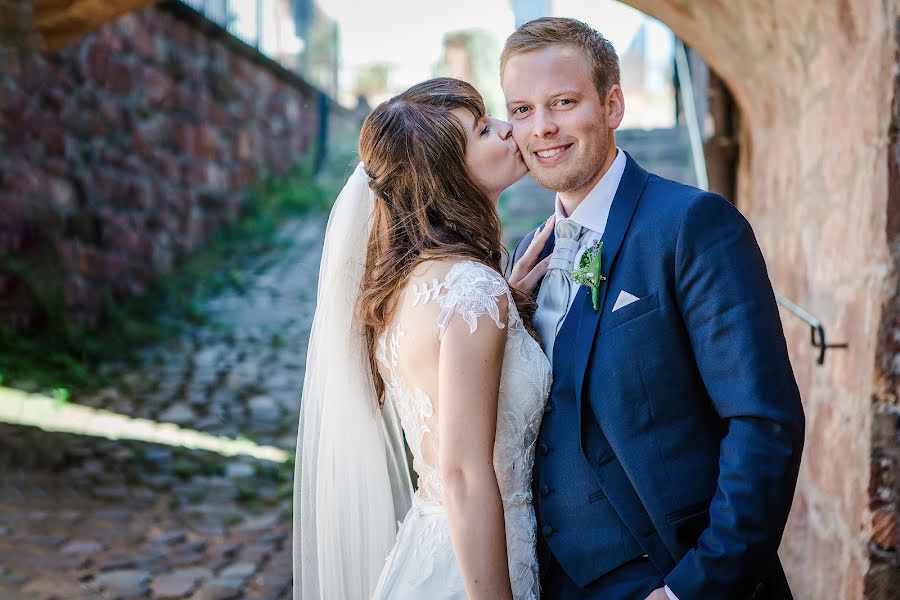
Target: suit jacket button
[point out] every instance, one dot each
(545, 490)
(548, 408)
(547, 531)
(544, 449)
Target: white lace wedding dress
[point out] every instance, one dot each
(422, 562)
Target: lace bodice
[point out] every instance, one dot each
(407, 353)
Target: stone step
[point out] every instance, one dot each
(665, 152)
(653, 135)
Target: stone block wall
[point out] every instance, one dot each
(883, 579)
(127, 148)
(818, 179)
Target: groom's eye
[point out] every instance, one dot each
(519, 110)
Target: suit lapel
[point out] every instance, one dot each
(612, 477)
(634, 179)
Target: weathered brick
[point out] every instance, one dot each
(208, 143)
(184, 139)
(157, 86)
(241, 176)
(61, 194)
(122, 239)
(78, 293)
(243, 149)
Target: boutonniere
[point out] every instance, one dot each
(588, 272)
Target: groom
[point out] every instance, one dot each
(670, 444)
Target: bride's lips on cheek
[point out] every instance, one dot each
(557, 154)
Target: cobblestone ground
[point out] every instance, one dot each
(84, 517)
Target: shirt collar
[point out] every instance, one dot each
(593, 211)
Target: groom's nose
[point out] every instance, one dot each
(543, 123)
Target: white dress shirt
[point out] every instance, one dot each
(592, 214)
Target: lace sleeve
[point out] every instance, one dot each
(469, 290)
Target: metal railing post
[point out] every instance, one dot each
(259, 23)
(686, 88)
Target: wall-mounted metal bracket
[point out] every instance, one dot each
(817, 330)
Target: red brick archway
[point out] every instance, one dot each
(818, 177)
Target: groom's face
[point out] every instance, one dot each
(560, 123)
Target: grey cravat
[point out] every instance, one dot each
(553, 298)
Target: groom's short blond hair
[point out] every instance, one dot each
(552, 31)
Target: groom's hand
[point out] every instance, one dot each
(527, 273)
(658, 594)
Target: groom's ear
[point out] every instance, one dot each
(615, 106)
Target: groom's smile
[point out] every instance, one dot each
(552, 155)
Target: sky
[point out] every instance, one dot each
(408, 33)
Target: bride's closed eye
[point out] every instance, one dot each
(486, 128)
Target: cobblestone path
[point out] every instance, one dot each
(85, 517)
(90, 518)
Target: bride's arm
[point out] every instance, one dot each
(468, 388)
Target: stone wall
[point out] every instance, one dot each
(126, 149)
(884, 487)
(818, 179)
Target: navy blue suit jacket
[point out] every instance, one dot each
(690, 386)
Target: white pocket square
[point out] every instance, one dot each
(624, 299)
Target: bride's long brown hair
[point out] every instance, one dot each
(426, 203)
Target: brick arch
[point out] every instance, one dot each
(819, 179)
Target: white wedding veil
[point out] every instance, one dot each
(351, 480)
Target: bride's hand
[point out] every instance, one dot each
(527, 273)
(658, 594)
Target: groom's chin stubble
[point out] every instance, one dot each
(554, 184)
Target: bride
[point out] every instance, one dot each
(418, 336)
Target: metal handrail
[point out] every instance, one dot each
(686, 89)
(816, 329)
(221, 13)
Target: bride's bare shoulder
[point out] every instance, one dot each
(427, 280)
(439, 269)
(443, 288)
(430, 279)
(434, 268)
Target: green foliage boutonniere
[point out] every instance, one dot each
(588, 272)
